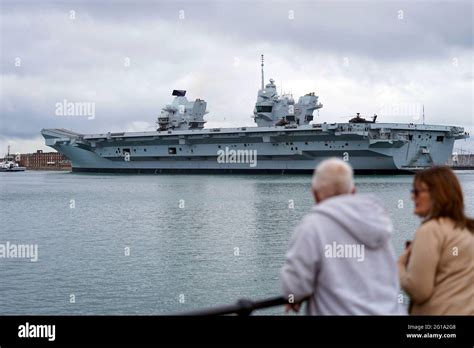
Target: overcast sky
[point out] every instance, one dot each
(383, 57)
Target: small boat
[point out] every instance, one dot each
(9, 165)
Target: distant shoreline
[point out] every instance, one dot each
(462, 168)
(69, 169)
(49, 169)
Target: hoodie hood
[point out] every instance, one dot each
(362, 215)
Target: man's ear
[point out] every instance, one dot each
(353, 190)
(315, 195)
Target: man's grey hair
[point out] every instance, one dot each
(333, 177)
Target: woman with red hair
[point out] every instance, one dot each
(437, 269)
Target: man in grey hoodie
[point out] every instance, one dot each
(340, 256)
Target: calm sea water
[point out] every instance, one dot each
(161, 244)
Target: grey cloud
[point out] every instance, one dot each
(82, 60)
(367, 28)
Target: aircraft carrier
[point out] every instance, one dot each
(286, 140)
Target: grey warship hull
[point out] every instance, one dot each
(285, 140)
(368, 147)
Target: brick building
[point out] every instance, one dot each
(44, 160)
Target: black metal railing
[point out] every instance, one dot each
(243, 307)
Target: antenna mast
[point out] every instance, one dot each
(263, 79)
(423, 113)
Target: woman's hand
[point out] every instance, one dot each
(405, 257)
